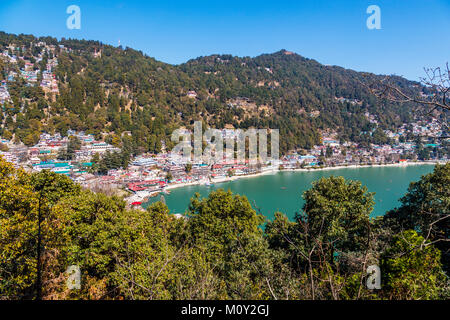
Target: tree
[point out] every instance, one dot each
(69, 152)
(18, 216)
(94, 226)
(7, 134)
(337, 211)
(220, 218)
(32, 236)
(3, 147)
(411, 269)
(131, 254)
(50, 188)
(426, 208)
(423, 154)
(151, 261)
(226, 228)
(330, 243)
(31, 139)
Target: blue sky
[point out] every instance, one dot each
(414, 34)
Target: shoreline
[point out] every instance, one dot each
(356, 166)
(229, 179)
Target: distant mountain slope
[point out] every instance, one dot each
(108, 90)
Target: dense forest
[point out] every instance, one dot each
(222, 248)
(106, 91)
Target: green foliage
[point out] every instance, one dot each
(221, 218)
(218, 250)
(112, 160)
(69, 153)
(23, 199)
(18, 211)
(426, 209)
(227, 228)
(411, 269)
(337, 212)
(330, 238)
(3, 147)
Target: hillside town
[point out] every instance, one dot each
(36, 70)
(144, 176)
(149, 175)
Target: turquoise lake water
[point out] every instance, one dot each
(282, 191)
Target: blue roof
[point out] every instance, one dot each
(61, 165)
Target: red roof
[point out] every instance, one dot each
(139, 186)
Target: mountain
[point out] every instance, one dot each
(105, 90)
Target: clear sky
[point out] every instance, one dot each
(414, 33)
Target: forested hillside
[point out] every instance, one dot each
(108, 90)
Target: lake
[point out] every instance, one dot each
(282, 191)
